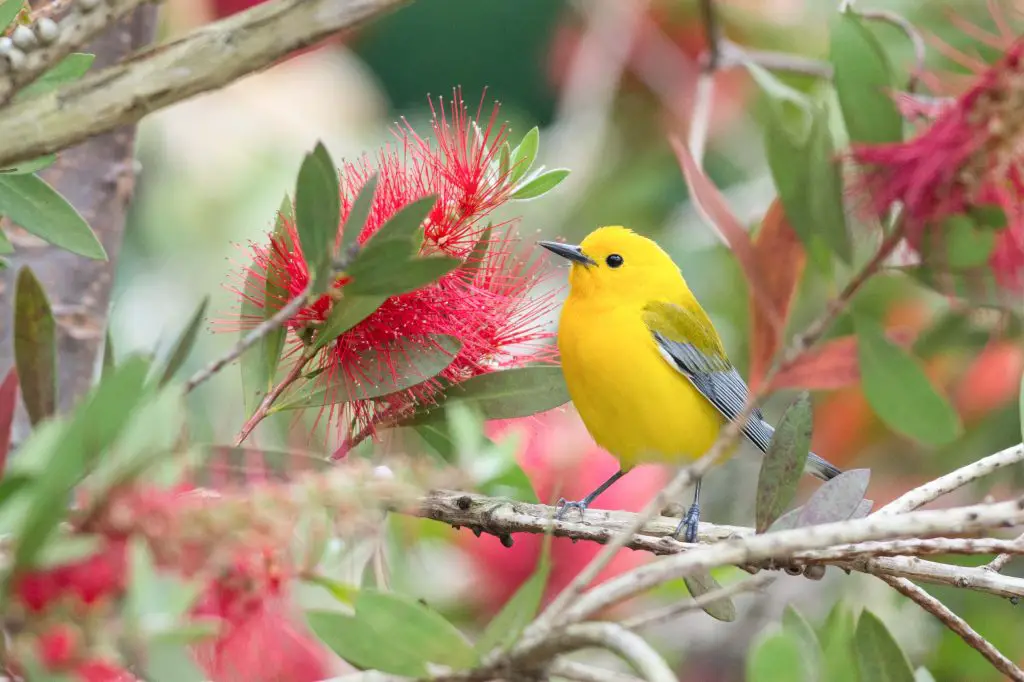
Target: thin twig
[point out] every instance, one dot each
(581, 672)
(999, 563)
(252, 338)
(612, 637)
(712, 34)
(957, 625)
(735, 55)
(208, 58)
(268, 400)
(954, 480)
(902, 23)
(673, 611)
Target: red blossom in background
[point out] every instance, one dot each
(967, 157)
(485, 303)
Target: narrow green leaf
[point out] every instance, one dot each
(478, 256)
(795, 624)
(507, 394)
(899, 391)
(418, 628)
(775, 88)
(380, 254)
(540, 185)
(71, 548)
(32, 165)
(701, 583)
(99, 419)
(5, 247)
(345, 314)
(28, 201)
(317, 210)
(183, 346)
(413, 361)
(406, 223)
(836, 500)
(879, 657)
(343, 592)
(357, 215)
(776, 658)
(9, 12)
(402, 276)
(524, 155)
(109, 358)
(837, 643)
(783, 464)
(361, 647)
(864, 82)
(519, 611)
(826, 188)
(922, 675)
(67, 70)
(35, 347)
(504, 160)
(963, 244)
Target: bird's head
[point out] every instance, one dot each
(615, 262)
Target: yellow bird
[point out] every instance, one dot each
(643, 363)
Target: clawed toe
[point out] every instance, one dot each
(689, 525)
(565, 505)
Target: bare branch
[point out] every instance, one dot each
(957, 625)
(943, 485)
(208, 58)
(581, 672)
(615, 638)
(999, 563)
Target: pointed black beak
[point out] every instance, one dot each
(569, 252)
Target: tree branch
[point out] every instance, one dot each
(205, 59)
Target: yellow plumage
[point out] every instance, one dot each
(643, 363)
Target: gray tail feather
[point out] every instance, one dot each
(760, 434)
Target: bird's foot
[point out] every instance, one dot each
(690, 523)
(565, 505)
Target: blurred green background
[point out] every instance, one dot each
(216, 167)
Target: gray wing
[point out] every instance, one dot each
(719, 382)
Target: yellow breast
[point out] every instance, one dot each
(633, 403)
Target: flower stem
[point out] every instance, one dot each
(268, 400)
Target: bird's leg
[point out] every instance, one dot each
(691, 522)
(565, 505)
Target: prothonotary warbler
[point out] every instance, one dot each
(643, 363)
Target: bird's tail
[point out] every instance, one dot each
(760, 433)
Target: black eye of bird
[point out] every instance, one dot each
(614, 260)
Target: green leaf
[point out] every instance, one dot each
(9, 12)
(255, 368)
(343, 592)
(922, 675)
(783, 464)
(402, 276)
(67, 70)
(35, 347)
(899, 391)
(345, 314)
(796, 625)
(357, 215)
(519, 611)
(28, 201)
(963, 244)
(504, 160)
(826, 188)
(413, 361)
(540, 185)
(317, 211)
(380, 254)
(416, 635)
(507, 394)
(879, 657)
(864, 82)
(32, 165)
(5, 247)
(775, 88)
(405, 224)
(776, 658)
(524, 155)
(701, 583)
(837, 644)
(70, 549)
(101, 416)
(837, 499)
(183, 346)
(109, 358)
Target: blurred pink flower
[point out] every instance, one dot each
(561, 460)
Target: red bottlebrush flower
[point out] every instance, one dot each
(102, 671)
(89, 580)
(58, 646)
(967, 157)
(484, 303)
